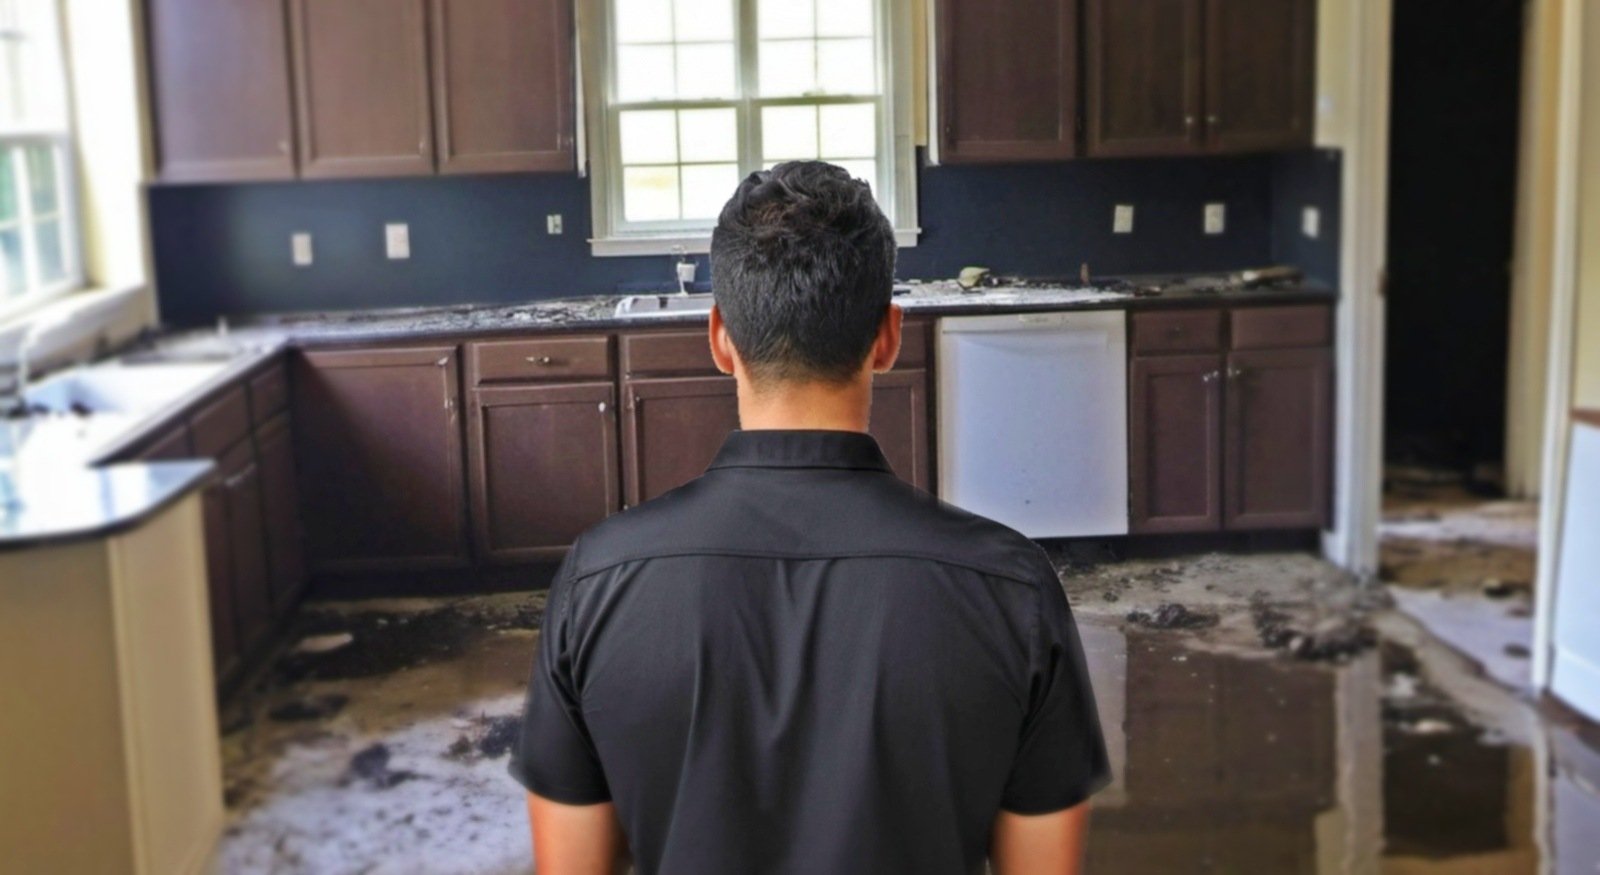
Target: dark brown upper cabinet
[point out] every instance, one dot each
(361, 87)
(1143, 77)
(1260, 72)
(219, 90)
(1171, 77)
(503, 85)
(378, 448)
(1008, 80)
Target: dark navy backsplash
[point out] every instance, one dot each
(224, 249)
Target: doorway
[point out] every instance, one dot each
(1457, 74)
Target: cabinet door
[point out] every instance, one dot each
(219, 580)
(1008, 80)
(280, 507)
(1175, 444)
(1278, 438)
(1260, 67)
(252, 593)
(503, 85)
(378, 447)
(361, 83)
(900, 424)
(671, 431)
(219, 85)
(543, 463)
(1144, 77)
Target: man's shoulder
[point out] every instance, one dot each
(893, 520)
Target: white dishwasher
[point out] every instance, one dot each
(1033, 420)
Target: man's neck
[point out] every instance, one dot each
(806, 406)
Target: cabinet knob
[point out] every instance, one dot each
(1214, 120)
(541, 360)
(1234, 373)
(443, 362)
(283, 146)
(1188, 121)
(1175, 330)
(602, 407)
(1210, 377)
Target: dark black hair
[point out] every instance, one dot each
(802, 265)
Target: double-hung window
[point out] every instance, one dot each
(694, 94)
(38, 232)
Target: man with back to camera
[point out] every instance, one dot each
(797, 663)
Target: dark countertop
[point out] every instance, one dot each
(597, 312)
(72, 504)
(64, 501)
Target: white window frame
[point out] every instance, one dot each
(61, 140)
(600, 148)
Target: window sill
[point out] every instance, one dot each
(693, 244)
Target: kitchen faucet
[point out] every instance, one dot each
(21, 364)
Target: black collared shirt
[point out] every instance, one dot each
(797, 663)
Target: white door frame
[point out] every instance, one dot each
(1361, 64)
(1563, 323)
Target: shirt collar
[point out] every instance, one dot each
(771, 448)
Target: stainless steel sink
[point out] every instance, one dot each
(649, 306)
(119, 388)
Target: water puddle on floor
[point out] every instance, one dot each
(1245, 763)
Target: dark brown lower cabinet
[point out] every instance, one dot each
(252, 594)
(900, 424)
(1175, 443)
(280, 509)
(542, 467)
(219, 580)
(1278, 449)
(672, 428)
(378, 448)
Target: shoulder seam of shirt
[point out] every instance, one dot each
(764, 554)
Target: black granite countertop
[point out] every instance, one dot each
(71, 504)
(598, 312)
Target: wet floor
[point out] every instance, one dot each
(1299, 725)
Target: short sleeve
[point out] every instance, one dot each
(1061, 759)
(555, 758)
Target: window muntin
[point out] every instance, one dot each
(701, 92)
(38, 230)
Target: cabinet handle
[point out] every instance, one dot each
(1188, 122)
(422, 146)
(234, 481)
(1234, 373)
(1214, 120)
(541, 360)
(1210, 377)
(1175, 331)
(602, 407)
(283, 146)
(443, 362)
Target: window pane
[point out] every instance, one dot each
(32, 81)
(8, 188)
(785, 18)
(706, 187)
(844, 18)
(644, 21)
(52, 251)
(849, 131)
(709, 134)
(846, 66)
(11, 269)
(42, 179)
(788, 68)
(866, 171)
(706, 70)
(650, 194)
(649, 137)
(704, 19)
(788, 133)
(644, 73)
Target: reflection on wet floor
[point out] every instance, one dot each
(378, 748)
(1231, 763)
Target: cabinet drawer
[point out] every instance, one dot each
(1283, 327)
(1179, 331)
(667, 352)
(220, 424)
(555, 358)
(269, 393)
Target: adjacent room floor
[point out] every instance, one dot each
(1264, 714)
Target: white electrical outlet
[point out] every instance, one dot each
(1311, 222)
(397, 240)
(1122, 219)
(300, 248)
(1216, 218)
(552, 223)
